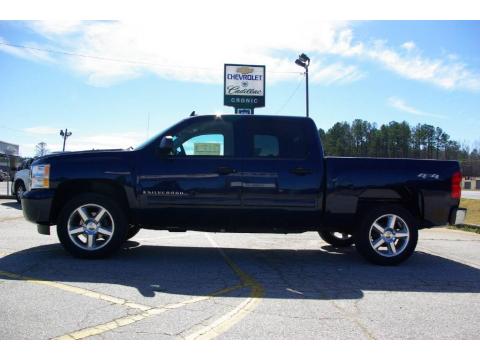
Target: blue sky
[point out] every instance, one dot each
(380, 71)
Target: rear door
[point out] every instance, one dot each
(281, 177)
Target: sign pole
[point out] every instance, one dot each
(306, 81)
(244, 111)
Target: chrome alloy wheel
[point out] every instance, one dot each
(90, 227)
(389, 235)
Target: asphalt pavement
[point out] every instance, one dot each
(197, 285)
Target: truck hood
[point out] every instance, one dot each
(70, 155)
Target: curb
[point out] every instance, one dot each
(472, 225)
(7, 197)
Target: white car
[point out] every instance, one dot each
(21, 182)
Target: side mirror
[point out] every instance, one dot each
(166, 145)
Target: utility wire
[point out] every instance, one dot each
(291, 96)
(22, 131)
(126, 61)
(13, 129)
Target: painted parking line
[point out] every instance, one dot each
(234, 316)
(206, 332)
(209, 331)
(76, 290)
(146, 311)
(102, 328)
(11, 218)
(130, 319)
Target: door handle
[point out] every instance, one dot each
(225, 170)
(301, 171)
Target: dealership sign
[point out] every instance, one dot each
(244, 86)
(8, 149)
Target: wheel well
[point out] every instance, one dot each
(410, 206)
(70, 189)
(17, 183)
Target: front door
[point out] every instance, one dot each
(194, 186)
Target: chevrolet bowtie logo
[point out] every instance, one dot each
(244, 70)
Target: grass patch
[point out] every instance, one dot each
(465, 227)
(472, 221)
(473, 210)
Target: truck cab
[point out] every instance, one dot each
(218, 169)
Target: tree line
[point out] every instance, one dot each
(395, 139)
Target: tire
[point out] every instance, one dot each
(132, 231)
(92, 226)
(380, 242)
(337, 239)
(19, 190)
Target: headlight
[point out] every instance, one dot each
(41, 176)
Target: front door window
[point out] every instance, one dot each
(212, 138)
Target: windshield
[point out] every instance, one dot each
(145, 143)
(150, 141)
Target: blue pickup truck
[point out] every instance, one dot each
(241, 173)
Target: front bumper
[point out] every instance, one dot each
(37, 205)
(457, 216)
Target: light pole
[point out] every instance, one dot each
(65, 134)
(304, 61)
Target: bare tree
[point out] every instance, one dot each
(41, 149)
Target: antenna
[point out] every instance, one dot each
(148, 125)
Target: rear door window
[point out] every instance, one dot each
(265, 145)
(271, 138)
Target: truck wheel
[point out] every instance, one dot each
(337, 239)
(19, 190)
(387, 235)
(92, 226)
